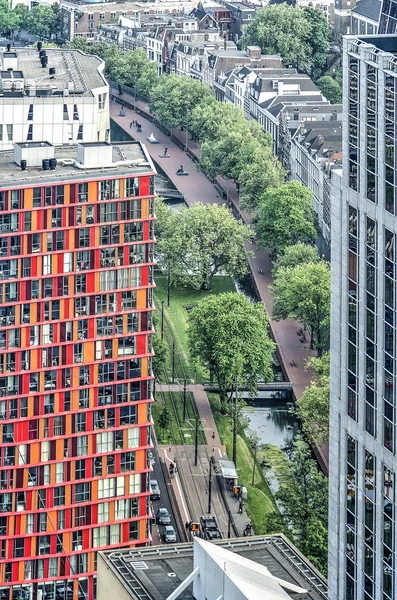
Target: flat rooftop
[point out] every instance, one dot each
(153, 573)
(128, 159)
(75, 71)
(386, 43)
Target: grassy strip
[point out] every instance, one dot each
(260, 503)
(174, 434)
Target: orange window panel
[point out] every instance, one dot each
(112, 509)
(67, 541)
(66, 197)
(70, 236)
(34, 359)
(68, 495)
(145, 208)
(144, 367)
(122, 188)
(89, 352)
(142, 529)
(94, 488)
(92, 191)
(96, 237)
(59, 449)
(140, 460)
(21, 570)
(52, 520)
(54, 264)
(141, 299)
(28, 198)
(34, 220)
(142, 413)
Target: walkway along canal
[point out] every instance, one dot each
(197, 188)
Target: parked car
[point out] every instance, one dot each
(170, 535)
(152, 459)
(163, 516)
(154, 490)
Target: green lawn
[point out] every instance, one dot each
(177, 315)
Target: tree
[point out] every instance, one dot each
(296, 255)
(304, 500)
(229, 335)
(319, 34)
(283, 30)
(161, 352)
(264, 171)
(43, 20)
(330, 88)
(303, 293)
(131, 68)
(174, 97)
(285, 217)
(312, 407)
(164, 420)
(10, 19)
(200, 242)
(230, 153)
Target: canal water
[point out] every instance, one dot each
(161, 181)
(269, 417)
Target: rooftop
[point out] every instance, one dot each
(370, 9)
(385, 43)
(153, 573)
(76, 72)
(127, 158)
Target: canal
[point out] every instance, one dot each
(269, 417)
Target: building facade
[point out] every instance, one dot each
(363, 465)
(56, 95)
(76, 270)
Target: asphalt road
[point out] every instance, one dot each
(164, 501)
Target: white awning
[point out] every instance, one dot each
(228, 469)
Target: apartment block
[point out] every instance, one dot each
(76, 301)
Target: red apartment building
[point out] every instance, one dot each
(76, 301)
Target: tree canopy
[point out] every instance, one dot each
(304, 500)
(173, 98)
(303, 293)
(11, 19)
(285, 217)
(299, 36)
(198, 243)
(313, 406)
(43, 20)
(296, 255)
(330, 88)
(229, 335)
(262, 172)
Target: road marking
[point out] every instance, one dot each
(176, 477)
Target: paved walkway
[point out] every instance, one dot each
(197, 188)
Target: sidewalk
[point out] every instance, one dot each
(197, 188)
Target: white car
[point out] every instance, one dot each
(170, 535)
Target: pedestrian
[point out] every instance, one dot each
(213, 435)
(240, 508)
(131, 124)
(165, 151)
(187, 525)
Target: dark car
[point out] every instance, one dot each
(163, 516)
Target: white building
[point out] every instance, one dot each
(253, 568)
(62, 97)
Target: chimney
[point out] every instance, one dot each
(254, 52)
